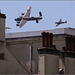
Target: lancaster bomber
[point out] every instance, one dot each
(23, 19)
(60, 22)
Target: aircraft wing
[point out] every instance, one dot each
(27, 13)
(22, 22)
(57, 25)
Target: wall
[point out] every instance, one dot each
(59, 42)
(69, 65)
(48, 61)
(21, 50)
(51, 64)
(2, 29)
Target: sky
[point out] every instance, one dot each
(52, 11)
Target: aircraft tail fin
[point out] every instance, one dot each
(40, 13)
(37, 21)
(65, 21)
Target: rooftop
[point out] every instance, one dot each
(68, 31)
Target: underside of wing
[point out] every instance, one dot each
(20, 20)
(57, 24)
(27, 13)
(22, 23)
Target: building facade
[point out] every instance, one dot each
(19, 52)
(24, 45)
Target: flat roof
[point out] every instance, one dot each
(68, 31)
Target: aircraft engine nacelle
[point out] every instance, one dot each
(17, 24)
(22, 13)
(18, 21)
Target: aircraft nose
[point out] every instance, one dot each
(15, 19)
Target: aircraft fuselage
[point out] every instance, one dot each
(28, 18)
(59, 22)
(31, 18)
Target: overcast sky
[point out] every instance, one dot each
(52, 11)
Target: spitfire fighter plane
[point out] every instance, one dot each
(23, 19)
(60, 22)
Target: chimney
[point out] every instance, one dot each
(2, 26)
(47, 39)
